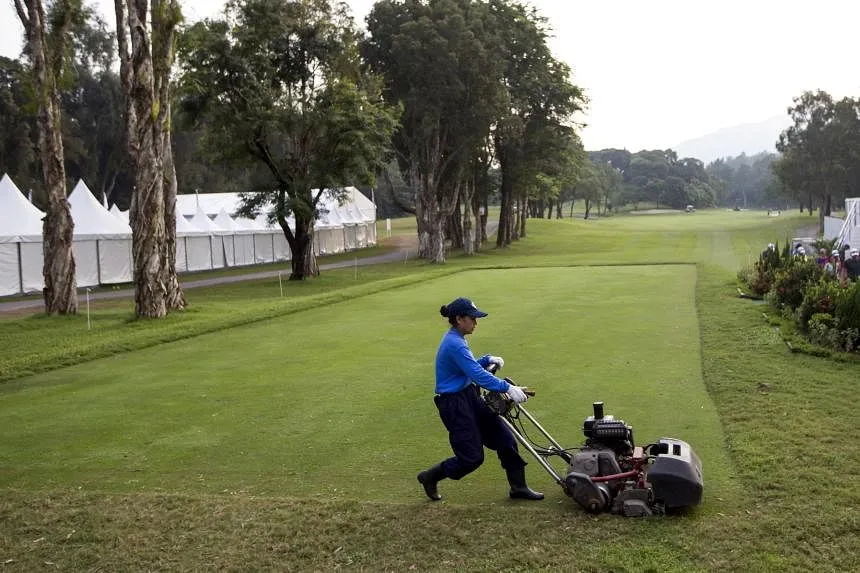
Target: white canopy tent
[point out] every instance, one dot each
(193, 247)
(328, 234)
(229, 233)
(20, 242)
(367, 209)
(202, 222)
(102, 243)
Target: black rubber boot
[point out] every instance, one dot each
(519, 489)
(429, 479)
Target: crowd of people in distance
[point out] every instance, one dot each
(842, 264)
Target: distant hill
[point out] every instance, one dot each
(749, 138)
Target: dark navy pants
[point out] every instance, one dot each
(471, 426)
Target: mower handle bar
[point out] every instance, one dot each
(493, 368)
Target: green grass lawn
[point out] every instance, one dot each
(259, 432)
(244, 411)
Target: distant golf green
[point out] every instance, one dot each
(337, 401)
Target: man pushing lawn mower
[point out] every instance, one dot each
(471, 424)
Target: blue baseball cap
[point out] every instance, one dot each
(464, 307)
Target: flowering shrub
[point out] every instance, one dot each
(788, 284)
(818, 297)
(760, 277)
(848, 306)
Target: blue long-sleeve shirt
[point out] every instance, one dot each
(456, 367)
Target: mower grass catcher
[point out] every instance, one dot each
(609, 472)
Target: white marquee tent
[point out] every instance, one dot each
(208, 236)
(102, 242)
(20, 241)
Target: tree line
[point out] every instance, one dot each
(440, 105)
(280, 99)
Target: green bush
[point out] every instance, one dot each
(824, 330)
(847, 311)
(760, 277)
(818, 297)
(788, 283)
(820, 326)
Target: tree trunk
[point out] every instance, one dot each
(304, 262)
(174, 296)
(455, 229)
(523, 215)
(165, 18)
(430, 242)
(146, 215)
(468, 191)
(58, 270)
(506, 215)
(145, 63)
(484, 212)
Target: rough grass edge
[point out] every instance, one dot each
(55, 358)
(798, 344)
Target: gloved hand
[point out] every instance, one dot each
(516, 394)
(498, 360)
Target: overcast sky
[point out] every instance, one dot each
(661, 72)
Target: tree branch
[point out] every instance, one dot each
(22, 14)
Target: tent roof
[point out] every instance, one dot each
(210, 203)
(225, 223)
(213, 203)
(19, 219)
(115, 211)
(202, 222)
(366, 207)
(184, 226)
(91, 219)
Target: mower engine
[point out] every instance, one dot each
(610, 472)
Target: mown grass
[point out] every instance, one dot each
(243, 411)
(787, 499)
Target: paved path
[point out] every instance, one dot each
(18, 305)
(399, 255)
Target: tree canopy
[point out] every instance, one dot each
(280, 84)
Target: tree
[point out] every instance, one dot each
(145, 61)
(535, 124)
(92, 105)
(590, 187)
(281, 84)
(47, 43)
(440, 63)
(820, 150)
(18, 150)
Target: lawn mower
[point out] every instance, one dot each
(609, 472)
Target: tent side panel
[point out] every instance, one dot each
(199, 253)
(218, 255)
(32, 260)
(282, 248)
(181, 265)
(115, 261)
(10, 270)
(263, 248)
(229, 250)
(244, 249)
(86, 263)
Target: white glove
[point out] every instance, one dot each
(497, 360)
(516, 394)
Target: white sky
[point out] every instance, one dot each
(661, 72)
